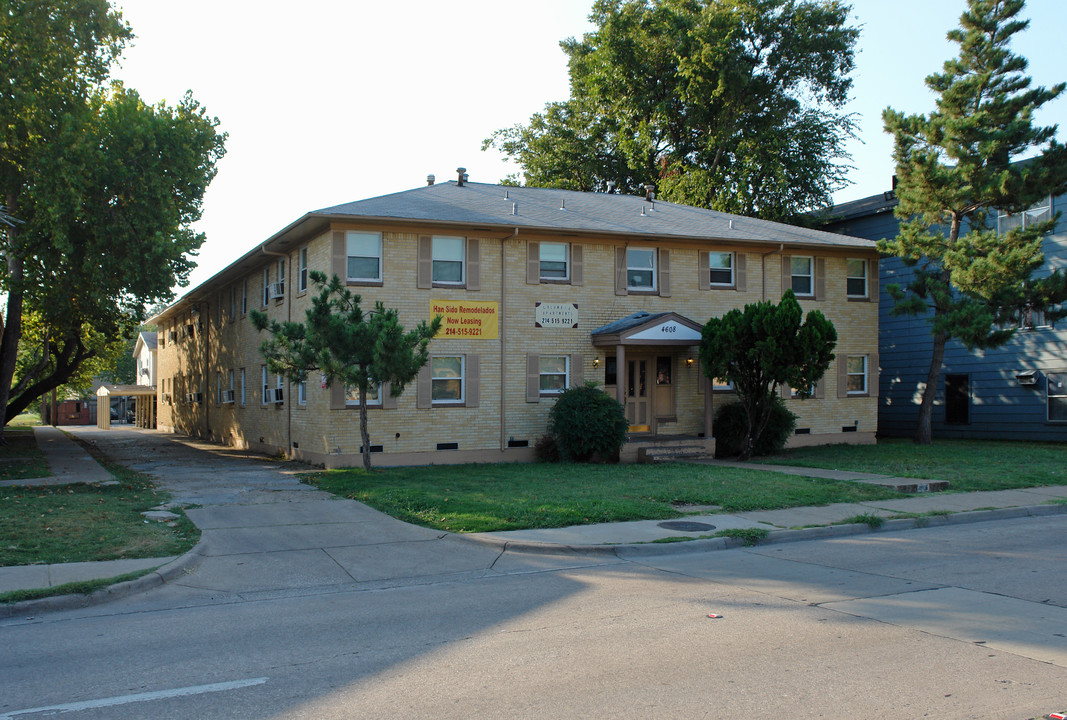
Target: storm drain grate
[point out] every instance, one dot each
(686, 526)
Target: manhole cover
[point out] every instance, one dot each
(685, 526)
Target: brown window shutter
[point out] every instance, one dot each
(820, 278)
(474, 281)
(339, 255)
(424, 389)
(819, 392)
(337, 395)
(785, 391)
(703, 270)
(872, 280)
(533, 377)
(533, 263)
(741, 272)
(473, 380)
(577, 370)
(842, 376)
(577, 274)
(872, 374)
(425, 261)
(664, 272)
(620, 270)
(787, 273)
(388, 401)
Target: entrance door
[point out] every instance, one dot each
(638, 398)
(957, 399)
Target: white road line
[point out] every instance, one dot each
(140, 697)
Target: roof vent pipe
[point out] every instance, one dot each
(514, 208)
(650, 192)
(611, 187)
(431, 179)
(462, 172)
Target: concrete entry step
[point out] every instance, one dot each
(672, 453)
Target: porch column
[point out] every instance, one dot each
(620, 374)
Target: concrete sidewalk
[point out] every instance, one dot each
(265, 533)
(66, 459)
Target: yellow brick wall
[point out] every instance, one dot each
(408, 434)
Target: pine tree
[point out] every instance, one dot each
(956, 169)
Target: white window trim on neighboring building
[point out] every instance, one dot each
(1038, 212)
(1056, 389)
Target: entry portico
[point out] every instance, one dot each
(649, 350)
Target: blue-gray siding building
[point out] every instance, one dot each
(1015, 392)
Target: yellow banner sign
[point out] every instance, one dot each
(478, 320)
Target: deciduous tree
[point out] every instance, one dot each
(763, 347)
(956, 168)
(732, 105)
(365, 351)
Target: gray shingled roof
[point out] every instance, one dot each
(567, 210)
(630, 321)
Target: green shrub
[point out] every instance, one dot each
(587, 424)
(731, 423)
(546, 449)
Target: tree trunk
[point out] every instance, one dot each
(9, 342)
(924, 434)
(364, 433)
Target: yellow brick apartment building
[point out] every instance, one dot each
(539, 289)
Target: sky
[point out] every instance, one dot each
(330, 101)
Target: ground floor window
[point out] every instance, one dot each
(857, 375)
(446, 379)
(553, 372)
(373, 397)
(1057, 396)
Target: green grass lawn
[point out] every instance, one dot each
(20, 457)
(969, 465)
(75, 523)
(481, 498)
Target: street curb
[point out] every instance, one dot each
(166, 573)
(652, 549)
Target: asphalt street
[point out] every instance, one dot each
(951, 622)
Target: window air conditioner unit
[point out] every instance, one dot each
(1029, 377)
(227, 396)
(276, 290)
(166, 398)
(193, 397)
(278, 395)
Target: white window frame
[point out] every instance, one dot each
(810, 275)
(542, 374)
(354, 235)
(266, 387)
(302, 270)
(302, 392)
(721, 385)
(352, 396)
(434, 253)
(1038, 212)
(541, 260)
(864, 375)
(442, 378)
(1055, 381)
(732, 269)
(866, 290)
(642, 268)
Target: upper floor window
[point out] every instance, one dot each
(302, 270)
(721, 267)
(363, 256)
(553, 260)
(802, 270)
(1036, 213)
(448, 260)
(856, 278)
(640, 268)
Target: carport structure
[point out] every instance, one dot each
(146, 404)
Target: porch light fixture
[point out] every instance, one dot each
(596, 362)
(689, 362)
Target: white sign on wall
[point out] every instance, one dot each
(670, 330)
(556, 315)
